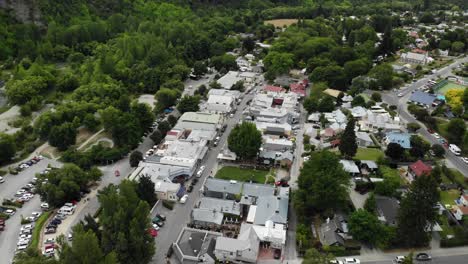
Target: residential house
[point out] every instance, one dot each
(207, 218)
(274, 143)
(414, 58)
(281, 158)
(350, 167)
(358, 112)
(273, 89)
(328, 133)
(229, 79)
(222, 189)
(195, 246)
(418, 169)
(387, 209)
(298, 88)
(332, 92)
(403, 139)
(464, 199)
(368, 167)
(219, 205)
(334, 232)
(269, 208)
(363, 139)
(460, 212)
(423, 98)
(314, 118)
(377, 119)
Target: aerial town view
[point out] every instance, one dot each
(233, 131)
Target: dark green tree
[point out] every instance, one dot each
(156, 137)
(63, 136)
(456, 130)
(358, 101)
(376, 97)
(199, 68)
(8, 147)
(348, 146)
(417, 212)
(438, 150)
(145, 190)
(189, 104)
(164, 127)
(394, 151)
(365, 226)
(371, 205)
(313, 256)
(248, 44)
(245, 140)
(135, 158)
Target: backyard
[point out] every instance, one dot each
(245, 175)
(449, 197)
(368, 154)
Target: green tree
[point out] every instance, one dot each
(199, 68)
(135, 158)
(458, 46)
(348, 146)
(248, 44)
(172, 120)
(417, 212)
(383, 75)
(326, 104)
(323, 184)
(245, 140)
(145, 190)
(456, 130)
(67, 82)
(278, 62)
(371, 204)
(419, 146)
(63, 136)
(376, 97)
(166, 97)
(413, 126)
(156, 137)
(390, 183)
(164, 127)
(238, 86)
(189, 104)
(143, 114)
(313, 256)
(394, 151)
(8, 147)
(438, 150)
(90, 122)
(365, 226)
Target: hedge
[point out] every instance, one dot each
(453, 242)
(168, 204)
(37, 229)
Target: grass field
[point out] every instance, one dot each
(238, 174)
(450, 86)
(368, 154)
(449, 197)
(281, 22)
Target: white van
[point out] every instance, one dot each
(65, 210)
(455, 149)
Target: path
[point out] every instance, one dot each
(89, 139)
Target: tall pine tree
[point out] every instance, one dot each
(417, 213)
(348, 145)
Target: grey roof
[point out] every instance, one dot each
(220, 205)
(333, 230)
(207, 216)
(218, 185)
(257, 190)
(423, 98)
(273, 208)
(194, 242)
(387, 209)
(349, 166)
(363, 136)
(370, 164)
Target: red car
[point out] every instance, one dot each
(153, 232)
(117, 173)
(430, 131)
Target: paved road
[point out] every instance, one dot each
(196, 83)
(392, 99)
(180, 215)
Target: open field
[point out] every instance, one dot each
(368, 154)
(281, 22)
(238, 174)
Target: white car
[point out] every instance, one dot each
(400, 95)
(49, 241)
(27, 227)
(335, 261)
(20, 193)
(156, 227)
(23, 242)
(49, 252)
(2, 180)
(22, 247)
(25, 236)
(351, 261)
(436, 135)
(36, 214)
(399, 259)
(200, 171)
(10, 212)
(45, 206)
(184, 199)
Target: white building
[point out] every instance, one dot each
(415, 58)
(221, 101)
(274, 107)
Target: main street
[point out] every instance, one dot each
(392, 99)
(180, 215)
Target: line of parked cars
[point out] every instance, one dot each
(157, 222)
(25, 236)
(27, 164)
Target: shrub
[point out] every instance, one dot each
(168, 204)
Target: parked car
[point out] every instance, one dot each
(335, 261)
(160, 223)
(50, 252)
(162, 217)
(50, 230)
(437, 136)
(190, 189)
(399, 259)
(194, 181)
(351, 261)
(465, 159)
(44, 206)
(10, 212)
(153, 232)
(49, 241)
(156, 227)
(277, 254)
(200, 171)
(2, 180)
(184, 199)
(423, 257)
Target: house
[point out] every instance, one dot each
(269, 208)
(274, 143)
(166, 190)
(350, 167)
(363, 139)
(274, 107)
(328, 132)
(423, 98)
(460, 212)
(403, 139)
(220, 101)
(464, 199)
(207, 218)
(368, 166)
(358, 112)
(229, 79)
(314, 117)
(387, 209)
(415, 58)
(273, 89)
(418, 169)
(334, 232)
(277, 129)
(195, 246)
(298, 88)
(281, 158)
(222, 189)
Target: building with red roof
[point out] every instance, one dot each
(275, 89)
(419, 168)
(298, 88)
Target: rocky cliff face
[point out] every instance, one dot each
(26, 11)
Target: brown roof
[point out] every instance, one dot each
(419, 168)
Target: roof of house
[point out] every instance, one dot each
(273, 208)
(271, 88)
(220, 205)
(403, 139)
(165, 186)
(463, 209)
(370, 164)
(200, 117)
(387, 209)
(207, 215)
(229, 79)
(414, 56)
(358, 111)
(257, 190)
(329, 132)
(195, 242)
(297, 88)
(349, 166)
(332, 92)
(330, 229)
(423, 98)
(363, 136)
(218, 185)
(419, 168)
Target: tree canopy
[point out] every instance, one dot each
(245, 140)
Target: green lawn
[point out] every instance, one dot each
(368, 154)
(37, 229)
(459, 178)
(238, 174)
(446, 228)
(449, 197)
(450, 86)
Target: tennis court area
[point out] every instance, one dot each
(450, 86)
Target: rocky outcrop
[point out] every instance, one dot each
(26, 11)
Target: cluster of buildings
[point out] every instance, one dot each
(245, 221)
(179, 155)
